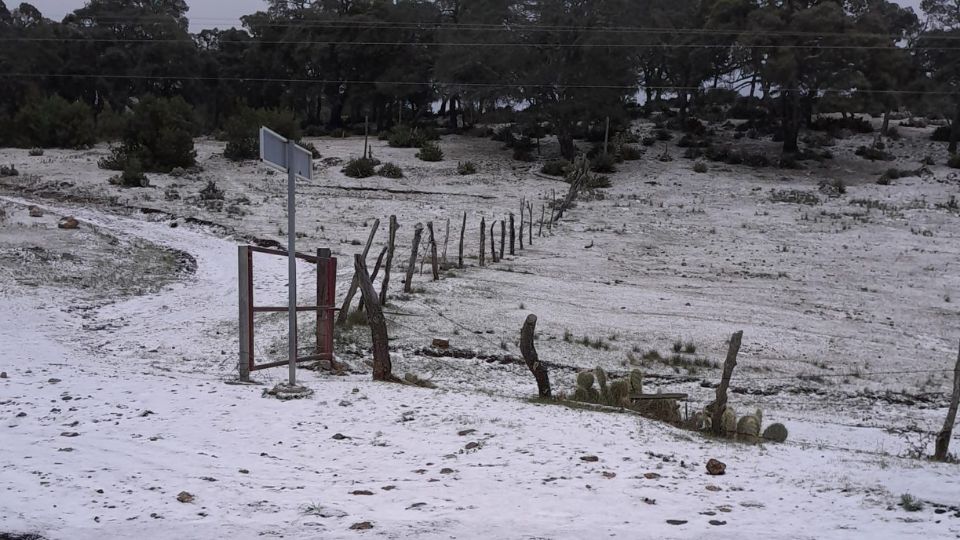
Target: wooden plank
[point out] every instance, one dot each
(673, 395)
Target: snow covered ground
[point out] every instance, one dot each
(115, 400)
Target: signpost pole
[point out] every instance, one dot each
(292, 262)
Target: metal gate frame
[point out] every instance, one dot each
(326, 291)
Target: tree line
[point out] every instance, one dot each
(324, 65)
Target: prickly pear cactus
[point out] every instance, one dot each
(602, 383)
(585, 379)
(748, 428)
(619, 392)
(585, 390)
(729, 420)
(775, 432)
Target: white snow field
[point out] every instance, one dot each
(117, 340)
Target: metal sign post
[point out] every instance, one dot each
(285, 154)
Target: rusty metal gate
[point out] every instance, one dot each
(325, 308)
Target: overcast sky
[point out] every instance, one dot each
(217, 13)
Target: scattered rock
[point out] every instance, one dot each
(465, 432)
(21, 414)
(361, 526)
(676, 521)
(3, 374)
(68, 222)
(471, 445)
(244, 471)
(717, 522)
(589, 459)
(69, 434)
(147, 412)
(416, 505)
(651, 476)
(648, 500)
(339, 437)
(208, 479)
(609, 474)
(389, 488)
(361, 492)
(715, 467)
(440, 343)
(711, 487)
(775, 432)
(446, 470)
(53, 381)
(185, 497)
(283, 391)
(35, 211)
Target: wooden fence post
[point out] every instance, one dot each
(417, 232)
(463, 229)
(503, 236)
(391, 246)
(433, 253)
(943, 439)
(382, 368)
(513, 235)
(483, 235)
(521, 224)
(529, 352)
(446, 238)
(493, 241)
(345, 307)
(373, 277)
(543, 212)
(529, 224)
(721, 402)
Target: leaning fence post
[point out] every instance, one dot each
(483, 236)
(345, 307)
(721, 402)
(493, 241)
(417, 232)
(943, 439)
(529, 352)
(382, 367)
(433, 253)
(391, 246)
(463, 229)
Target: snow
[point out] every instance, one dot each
(141, 375)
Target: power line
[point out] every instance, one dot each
(512, 85)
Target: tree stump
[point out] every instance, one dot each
(531, 358)
(721, 402)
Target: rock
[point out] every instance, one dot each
(589, 459)
(471, 445)
(439, 343)
(21, 414)
(244, 471)
(676, 521)
(35, 211)
(651, 475)
(717, 522)
(185, 497)
(609, 474)
(711, 487)
(53, 381)
(69, 434)
(3, 374)
(715, 467)
(68, 222)
(361, 492)
(446, 470)
(465, 432)
(361, 526)
(339, 437)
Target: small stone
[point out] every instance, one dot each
(446, 470)
(68, 222)
(53, 381)
(439, 343)
(416, 505)
(185, 497)
(69, 434)
(244, 471)
(589, 459)
(717, 522)
(35, 211)
(21, 414)
(651, 476)
(676, 521)
(715, 467)
(3, 374)
(67, 449)
(389, 488)
(609, 474)
(339, 437)
(147, 412)
(472, 445)
(361, 492)
(208, 479)
(648, 500)
(465, 432)
(711, 487)
(361, 526)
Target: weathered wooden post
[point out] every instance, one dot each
(529, 224)
(463, 229)
(493, 241)
(246, 310)
(721, 402)
(373, 277)
(391, 246)
(382, 368)
(529, 352)
(434, 263)
(483, 235)
(446, 238)
(543, 212)
(943, 439)
(345, 307)
(521, 224)
(503, 237)
(513, 235)
(417, 232)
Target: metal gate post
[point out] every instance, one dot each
(245, 283)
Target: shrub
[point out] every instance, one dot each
(893, 134)
(159, 135)
(648, 141)
(132, 175)
(503, 134)
(211, 192)
(603, 163)
(521, 154)
(36, 152)
(629, 153)
(873, 153)
(430, 152)
(466, 167)
(242, 130)
(8, 171)
(941, 134)
(954, 161)
(110, 124)
(558, 167)
(390, 170)
(54, 122)
(358, 168)
(834, 125)
(663, 135)
(406, 137)
(700, 167)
